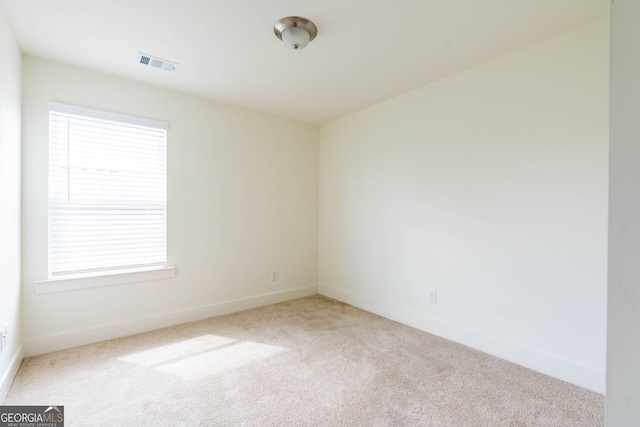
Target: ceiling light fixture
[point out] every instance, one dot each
(295, 32)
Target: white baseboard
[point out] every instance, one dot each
(10, 374)
(571, 372)
(48, 344)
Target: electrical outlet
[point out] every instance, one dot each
(274, 275)
(3, 341)
(431, 296)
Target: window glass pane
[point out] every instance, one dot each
(107, 194)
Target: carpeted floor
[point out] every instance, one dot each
(308, 362)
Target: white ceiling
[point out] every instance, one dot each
(366, 50)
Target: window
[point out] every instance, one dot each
(107, 191)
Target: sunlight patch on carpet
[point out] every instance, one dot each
(171, 352)
(221, 360)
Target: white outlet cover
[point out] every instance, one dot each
(3, 339)
(431, 297)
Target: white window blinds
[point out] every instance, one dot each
(107, 191)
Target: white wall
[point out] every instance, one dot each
(623, 356)
(242, 199)
(489, 186)
(11, 60)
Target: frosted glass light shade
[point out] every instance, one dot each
(295, 37)
(295, 32)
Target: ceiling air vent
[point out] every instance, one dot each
(152, 61)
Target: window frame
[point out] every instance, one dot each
(113, 276)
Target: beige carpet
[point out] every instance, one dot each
(308, 362)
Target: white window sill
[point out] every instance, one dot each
(69, 283)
